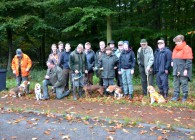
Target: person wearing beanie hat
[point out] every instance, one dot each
(145, 60)
(108, 64)
(21, 64)
(118, 53)
(126, 68)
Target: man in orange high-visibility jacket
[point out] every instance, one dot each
(21, 64)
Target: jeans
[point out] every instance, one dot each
(127, 81)
(60, 91)
(107, 82)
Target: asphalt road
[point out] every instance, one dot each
(29, 126)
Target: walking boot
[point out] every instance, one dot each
(175, 97)
(80, 92)
(130, 96)
(162, 93)
(185, 96)
(165, 94)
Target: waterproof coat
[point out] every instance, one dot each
(56, 76)
(148, 57)
(78, 61)
(127, 60)
(162, 60)
(90, 60)
(25, 63)
(64, 60)
(108, 62)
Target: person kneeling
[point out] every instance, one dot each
(55, 78)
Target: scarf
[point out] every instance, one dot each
(182, 51)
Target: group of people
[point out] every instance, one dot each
(77, 68)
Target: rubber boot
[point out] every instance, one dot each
(130, 96)
(74, 94)
(165, 94)
(185, 96)
(175, 97)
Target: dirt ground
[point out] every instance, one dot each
(169, 116)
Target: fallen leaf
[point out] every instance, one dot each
(109, 138)
(125, 130)
(13, 137)
(143, 132)
(34, 139)
(47, 132)
(159, 138)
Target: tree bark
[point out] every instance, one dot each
(109, 29)
(10, 47)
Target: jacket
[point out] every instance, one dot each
(78, 61)
(90, 60)
(64, 60)
(25, 63)
(56, 76)
(108, 63)
(127, 60)
(148, 57)
(162, 60)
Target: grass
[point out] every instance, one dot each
(37, 76)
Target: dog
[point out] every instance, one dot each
(112, 88)
(20, 90)
(155, 96)
(93, 88)
(37, 90)
(118, 93)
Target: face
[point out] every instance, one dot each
(80, 48)
(144, 45)
(102, 45)
(87, 47)
(112, 46)
(49, 65)
(108, 52)
(67, 47)
(120, 47)
(178, 42)
(126, 46)
(61, 46)
(54, 48)
(161, 44)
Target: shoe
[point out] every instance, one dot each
(185, 97)
(174, 99)
(130, 96)
(44, 99)
(67, 93)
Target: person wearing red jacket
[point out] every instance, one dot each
(21, 64)
(182, 67)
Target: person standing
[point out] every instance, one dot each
(60, 51)
(90, 54)
(145, 60)
(111, 44)
(118, 53)
(55, 78)
(99, 54)
(126, 68)
(21, 64)
(182, 67)
(108, 63)
(78, 65)
(64, 62)
(162, 64)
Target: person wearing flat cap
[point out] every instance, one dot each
(145, 60)
(21, 64)
(111, 44)
(108, 63)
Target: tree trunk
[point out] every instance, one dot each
(109, 30)
(10, 47)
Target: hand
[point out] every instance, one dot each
(101, 68)
(86, 71)
(185, 73)
(27, 69)
(95, 68)
(148, 69)
(132, 72)
(14, 72)
(119, 72)
(76, 71)
(166, 71)
(46, 77)
(115, 67)
(171, 64)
